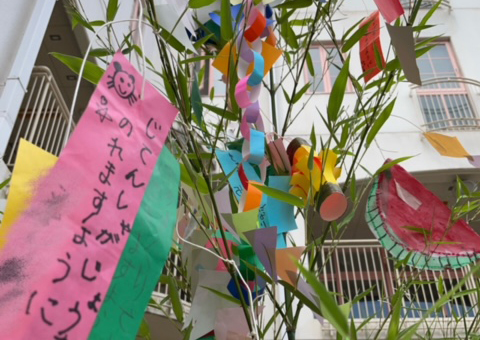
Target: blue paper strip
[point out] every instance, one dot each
(257, 146)
(280, 214)
(230, 160)
(258, 70)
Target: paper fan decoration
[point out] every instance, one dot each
(406, 217)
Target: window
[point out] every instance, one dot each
(326, 63)
(444, 104)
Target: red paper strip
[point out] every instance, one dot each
(368, 44)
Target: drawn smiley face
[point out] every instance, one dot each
(123, 83)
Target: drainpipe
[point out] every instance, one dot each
(17, 80)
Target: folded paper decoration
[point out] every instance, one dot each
(446, 145)
(407, 218)
(64, 250)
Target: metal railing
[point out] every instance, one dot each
(43, 116)
(408, 4)
(446, 103)
(352, 267)
(161, 293)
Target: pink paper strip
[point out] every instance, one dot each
(62, 253)
(390, 9)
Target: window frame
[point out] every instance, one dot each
(327, 79)
(426, 93)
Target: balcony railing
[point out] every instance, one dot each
(408, 4)
(446, 103)
(353, 267)
(43, 117)
(161, 293)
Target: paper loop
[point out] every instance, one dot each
(244, 97)
(256, 27)
(258, 70)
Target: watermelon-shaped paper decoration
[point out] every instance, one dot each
(406, 217)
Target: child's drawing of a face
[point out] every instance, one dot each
(123, 83)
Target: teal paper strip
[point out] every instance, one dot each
(144, 256)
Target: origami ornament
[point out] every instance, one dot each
(407, 218)
(322, 179)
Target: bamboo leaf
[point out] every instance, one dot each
(112, 9)
(392, 163)
(330, 309)
(226, 29)
(356, 37)
(338, 91)
(295, 4)
(221, 112)
(300, 93)
(200, 3)
(227, 297)
(92, 72)
(5, 183)
(394, 327)
(379, 122)
(175, 299)
(419, 230)
(281, 195)
(195, 59)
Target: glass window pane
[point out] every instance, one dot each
(424, 66)
(439, 51)
(443, 66)
(317, 80)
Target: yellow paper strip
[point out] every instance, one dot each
(31, 164)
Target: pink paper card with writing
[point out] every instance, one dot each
(61, 255)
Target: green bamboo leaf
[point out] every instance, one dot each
(355, 37)
(196, 182)
(221, 112)
(100, 52)
(5, 183)
(196, 98)
(419, 230)
(430, 13)
(175, 299)
(226, 29)
(92, 72)
(196, 59)
(97, 23)
(330, 309)
(227, 297)
(387, 166)
(300, 93)
(295, 4)
(281, 195)
(394, 326)
(338, 91)
(199, 43)
(200, 3)
(377, 125)
(310, 67)
(112, 9)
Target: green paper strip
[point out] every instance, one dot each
(144, 256)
